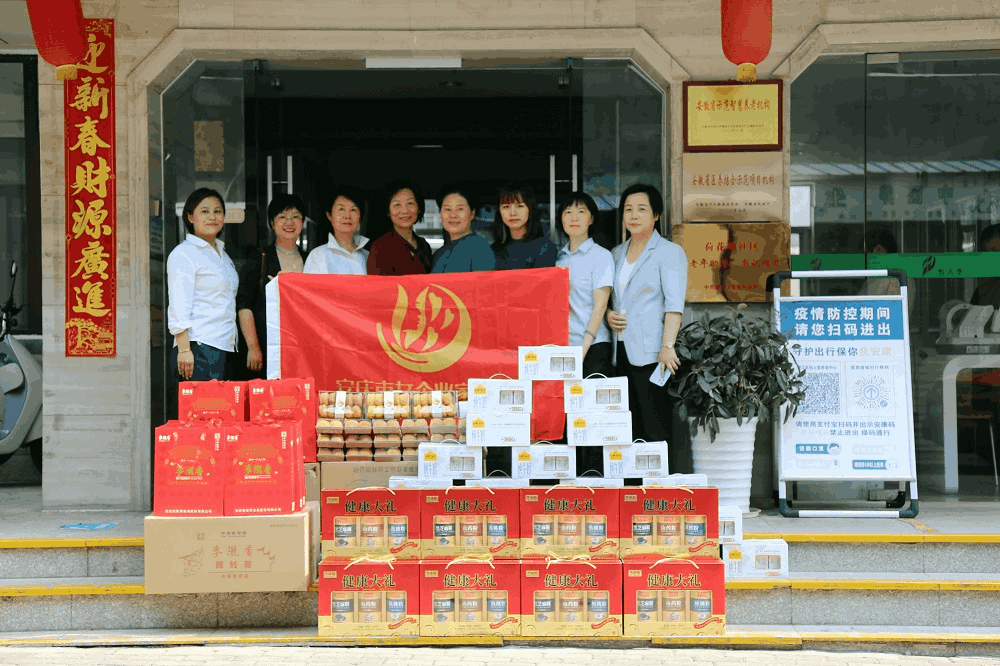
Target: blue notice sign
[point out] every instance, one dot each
(843, 320)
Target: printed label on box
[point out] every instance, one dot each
(498, 429)
(674, 597)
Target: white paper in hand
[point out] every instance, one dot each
(658, 378)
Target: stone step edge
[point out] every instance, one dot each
(797, 537)
(109, 585)
(779, 637)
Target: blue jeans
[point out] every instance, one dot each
(209, 363)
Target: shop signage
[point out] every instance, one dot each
(730, 263)
(915, 265)
(733, 187)
(855, 422)
(720, 116)
(91, 278)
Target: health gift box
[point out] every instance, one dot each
(470, 522)
(675, 597)
(659, 521)
(375, 522)
(449, 460)
(756, 558)
(550, 362)
(639, 460)
(189, 477)
(571, 598)
(470, 597)
(511, 396)
(365, 598)
(287, 400)
(543, 461)
(567, 521)
(599, 429)
(596, 395)
(498, 429)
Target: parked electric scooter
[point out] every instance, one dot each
(20, 388)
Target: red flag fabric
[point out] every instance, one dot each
(422, 332)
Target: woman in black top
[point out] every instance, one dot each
(517, 231)
(285, 214)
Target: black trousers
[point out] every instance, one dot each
(209, 363)
(652, 412)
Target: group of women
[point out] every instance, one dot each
(634, 294)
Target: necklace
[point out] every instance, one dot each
(280, 249)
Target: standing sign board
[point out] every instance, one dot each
(855, 423)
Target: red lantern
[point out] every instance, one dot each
(746, 35)
(57, 26)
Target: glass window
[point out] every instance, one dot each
(20, 194)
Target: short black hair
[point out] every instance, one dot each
(578, 198)
(655, 201)
(515, 191)
(192, 202)
(282, 202)
(462, 190)
(397, 186)
(881, 236)
(988, 234)
(347, 192)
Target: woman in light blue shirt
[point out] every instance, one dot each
(591, 274)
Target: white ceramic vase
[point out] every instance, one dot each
(728, 461)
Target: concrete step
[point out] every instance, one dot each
(71, 558)
(937, 641)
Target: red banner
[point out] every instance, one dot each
(91, 279)
(423, 332)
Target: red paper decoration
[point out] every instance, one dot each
(746, 35)
(57, 26)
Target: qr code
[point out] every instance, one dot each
(822, 393)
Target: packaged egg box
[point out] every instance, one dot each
(470, 522)
(571, 598)
(446, 425)
(470, 597)
(567, 521)
(364, 598)
(674, 597)
(370, 522)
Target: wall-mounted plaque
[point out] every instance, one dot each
(722, 115)
(729, 263)
(733, 187)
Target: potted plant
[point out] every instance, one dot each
(735, 369)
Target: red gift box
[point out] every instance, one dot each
(571, 598)
(675, 597)
(370, 522)
(189, 470)
(368, 598)
(469, 597)
(660, 521)
(570, 520)
(287, 400)
(470, 522)
(212, 401)
(264, 474)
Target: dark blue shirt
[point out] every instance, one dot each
(537, 253)
(469, 253)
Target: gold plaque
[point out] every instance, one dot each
(726, 115)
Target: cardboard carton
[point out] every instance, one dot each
(571, 598)
(449, 460)
(549, 362)
(498, 429)
(543, 461)
(567, 521)
(658, 521)
(365, 598)
(756, 558)
(469, 597)
(470, 522)
(596, 395)
(228, 554)
(213, 400)
(287, 400)
(730, 524)
(374, 522)
(599, 429)
(264, 475)
(645, 460)
(511, 396)
(189, 471)
(674, 597)
(362, 474)
(593, 482)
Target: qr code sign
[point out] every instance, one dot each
(822, 393)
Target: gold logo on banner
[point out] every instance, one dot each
(434, 317)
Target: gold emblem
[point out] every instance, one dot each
(434, 320)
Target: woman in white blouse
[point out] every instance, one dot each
(201, 292)
(344, 253)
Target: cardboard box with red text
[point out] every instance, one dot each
(466, 597)
(375, 522)
(189, 473)
(470, 522)
(566, 521)
(675, 597)
(365, 598)
(571, 598)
